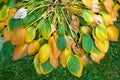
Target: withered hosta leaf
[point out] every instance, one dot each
(108, 5)
(6, 35)
(77, 50)
(75, 23)
(84, 60)
(19, 52)
(33, 47)
(113, 33)
(54, 61)
(18, 36)
(55, 50)
(70, 41)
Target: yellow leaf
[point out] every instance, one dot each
(33, 47)
(6, 35)
(64, 56)
(44, 53)
(55, 50)
(103, 46)
(1, 25)
(37, 64)
(113, 33)
(108, 5)
(18, 36)
(19, 52)
(86, 30)
(54, 61)
(87, 3)
(101, 33)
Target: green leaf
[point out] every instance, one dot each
(74, 65)
(87, 15)
(61, 43)
(14, 23)
(1, 43)
(4, 13)
(12, 3)
(87, 43)
(82, 21)
(30, 18)
(42, 41)
(44, 28)
(46, 67)
(30, 34)
(61, 29)
(7, 50)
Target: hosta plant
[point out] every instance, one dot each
(71, 33)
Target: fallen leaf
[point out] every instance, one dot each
(54, 61)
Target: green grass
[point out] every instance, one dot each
(108, 69)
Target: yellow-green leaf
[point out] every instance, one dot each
(33, 47)
(37, 64)
(113, 33)
(101, 33)
(44, 53)
(4, 13)
(103, 46)
(74, 65)
(30, 34)
(46, 67)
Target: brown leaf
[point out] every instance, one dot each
(70, 41)
(19, 52)
(108, 5)
(55, 50)
(33, 47)
(75, 23)
(84, 60)
(6, 35)
(77, 50)
(54, 61)
(18, 36)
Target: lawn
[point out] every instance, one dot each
(108, 69)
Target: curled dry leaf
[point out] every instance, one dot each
(70, 41)
(6, 35)
(55, 50)
(19, 52)
(75, 23)
(108, 5)
(84, 60)
(18, 36)
(33, 47)
(113, 33)
(77, 50)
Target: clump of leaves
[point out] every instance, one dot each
(58, 31)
